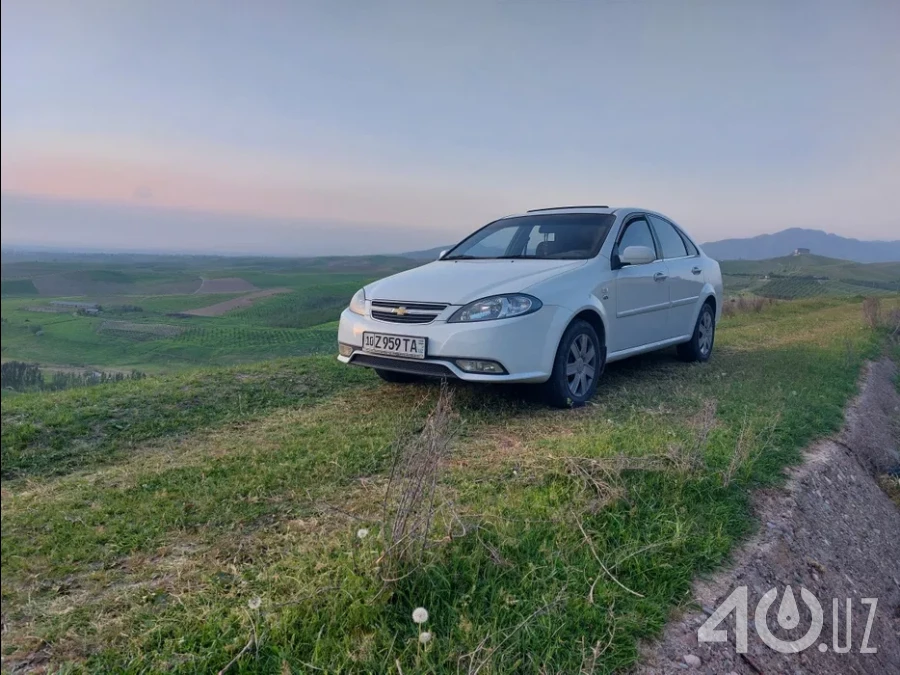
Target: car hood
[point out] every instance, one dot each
(457, 282)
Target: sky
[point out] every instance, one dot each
(309, 128)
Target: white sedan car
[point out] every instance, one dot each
(550, 296)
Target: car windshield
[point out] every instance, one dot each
(559, 236)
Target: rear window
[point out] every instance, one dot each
(560, 236)
(669, 239)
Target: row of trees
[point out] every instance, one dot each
(21, 376)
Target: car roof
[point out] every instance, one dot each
(589, 208)
(621, 211)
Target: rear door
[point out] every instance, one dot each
(685, 276)
(642, 292)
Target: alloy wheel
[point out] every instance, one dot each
(581, 365)
(706, 332)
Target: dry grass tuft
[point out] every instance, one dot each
(599, 478)
(893, 322)
(871, 309)
(891, 485)
(409, 503)
(690, 457)
(744, 304)
(750, 445)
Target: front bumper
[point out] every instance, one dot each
(525, 346)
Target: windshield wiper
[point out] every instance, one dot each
(461, 257)
(515, 257)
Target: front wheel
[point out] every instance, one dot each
(580, 360)
(700, 346)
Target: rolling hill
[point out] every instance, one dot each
(790, 277)
(818, 242)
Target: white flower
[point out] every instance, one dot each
(420, 615)
(424, 637)
(255, 602)
(362, 533)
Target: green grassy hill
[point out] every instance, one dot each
(144, 323)
(802, 276)
(178, 523)
(153, 340)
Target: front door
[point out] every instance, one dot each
(642, 293)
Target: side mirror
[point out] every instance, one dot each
(637, 255)
(443, 253)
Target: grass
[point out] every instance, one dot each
(56, 433)
(298, 323)
(313, 305)
(891, 485)
(148, 550)
(66, 339)
(18, 287)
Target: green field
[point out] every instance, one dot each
(177, 523)
(807, 276)
(142, 324)
(297, 322)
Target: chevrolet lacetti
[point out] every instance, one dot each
(549, 296)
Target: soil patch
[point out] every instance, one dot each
(225, 285)
(830, 530)
(221, 308)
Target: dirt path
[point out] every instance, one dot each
(830, 530)
(221, 308)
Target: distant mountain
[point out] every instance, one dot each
(817, 242)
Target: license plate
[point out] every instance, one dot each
(394, 345)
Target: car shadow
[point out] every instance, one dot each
(522, 398)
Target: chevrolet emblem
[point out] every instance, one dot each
(399, 311)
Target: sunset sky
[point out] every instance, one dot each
(299, 128)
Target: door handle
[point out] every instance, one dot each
(660, 276)
(696, 270)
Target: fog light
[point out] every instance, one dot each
(486, 367)
(344, 350)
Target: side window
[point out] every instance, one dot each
(692, 250)
(669, 240)
(637, 233)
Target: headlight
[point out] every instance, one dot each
(496, 307)
(358, 302)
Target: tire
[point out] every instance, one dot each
(700, 346)
(395, 377)
(579, 363)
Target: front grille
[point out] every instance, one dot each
(406, 312)
(428, 368)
